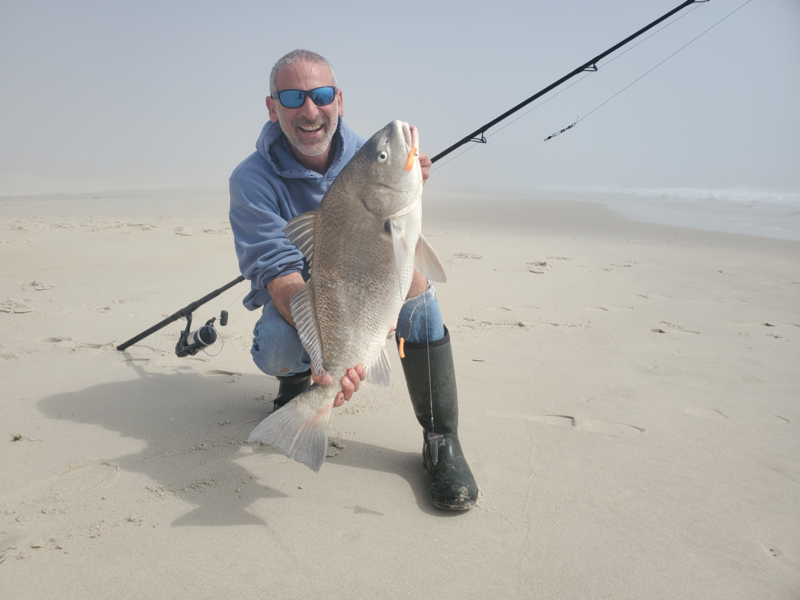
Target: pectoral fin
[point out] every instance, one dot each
(399, 244)
(305, 319)
(427, 261)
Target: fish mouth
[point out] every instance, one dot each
(410, 136)
(411, 139)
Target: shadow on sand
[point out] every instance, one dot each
(195, 428)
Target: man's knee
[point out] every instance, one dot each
(277, 349)
(420, 319)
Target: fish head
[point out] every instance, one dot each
(393, 179)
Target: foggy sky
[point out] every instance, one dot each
(99, 95)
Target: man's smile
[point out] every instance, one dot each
(310, 128)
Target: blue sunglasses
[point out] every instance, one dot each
(321, 96)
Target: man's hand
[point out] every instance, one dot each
(282, 290)
(350, 383)
(425, 163)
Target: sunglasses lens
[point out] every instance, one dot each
(292, 98)
(323, 96)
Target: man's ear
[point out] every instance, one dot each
(341, 103)
(273, 111)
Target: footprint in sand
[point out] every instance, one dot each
(37, 286)
(468, 323)
(538, 267)
(99, 473)
(15, 307)
(232, 377)
(610, 428)
(69, 342)
(708, 413)
(718, 415)
(676, 328)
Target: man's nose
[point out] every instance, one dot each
(309, 109)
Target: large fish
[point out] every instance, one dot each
(363, 243)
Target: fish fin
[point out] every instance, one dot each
(299, 433)
(300, 232)
(427, 261)
(305, 319)
(379, 372)
(399, 243)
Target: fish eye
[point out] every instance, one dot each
(382, 156)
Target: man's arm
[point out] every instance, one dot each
(263, 251)
(282, 290)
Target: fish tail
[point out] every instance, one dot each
(299, 429)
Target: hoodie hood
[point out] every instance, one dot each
(274, 147)
(268, 189)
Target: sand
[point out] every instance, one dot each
(628, 397)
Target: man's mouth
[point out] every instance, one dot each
(310, 128)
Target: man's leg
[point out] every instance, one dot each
(277, 351)
(430, 375)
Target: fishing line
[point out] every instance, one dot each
(590, 65)
(433, 437)
(222, 345)
(588, 74)
(436, 167)
(663, 61)
(612, 97)
(236, 299)
(468, 148)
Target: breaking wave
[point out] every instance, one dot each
(738, 196)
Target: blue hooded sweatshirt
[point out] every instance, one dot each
(267, 190)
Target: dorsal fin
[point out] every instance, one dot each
(300, 232)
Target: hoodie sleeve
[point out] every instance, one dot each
(263, 250)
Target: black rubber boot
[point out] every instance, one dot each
(290, 387)
(452, 485)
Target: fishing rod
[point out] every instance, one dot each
(590, 65)
(192, 342)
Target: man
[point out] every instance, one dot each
(299, 153)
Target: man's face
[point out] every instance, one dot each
(309, 128)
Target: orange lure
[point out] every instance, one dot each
(412, 156)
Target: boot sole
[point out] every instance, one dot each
(446, 506)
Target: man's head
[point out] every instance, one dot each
(308, 127)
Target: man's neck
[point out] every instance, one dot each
(319, 164)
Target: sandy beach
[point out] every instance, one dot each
(628, 404)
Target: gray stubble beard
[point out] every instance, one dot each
(317, 149)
